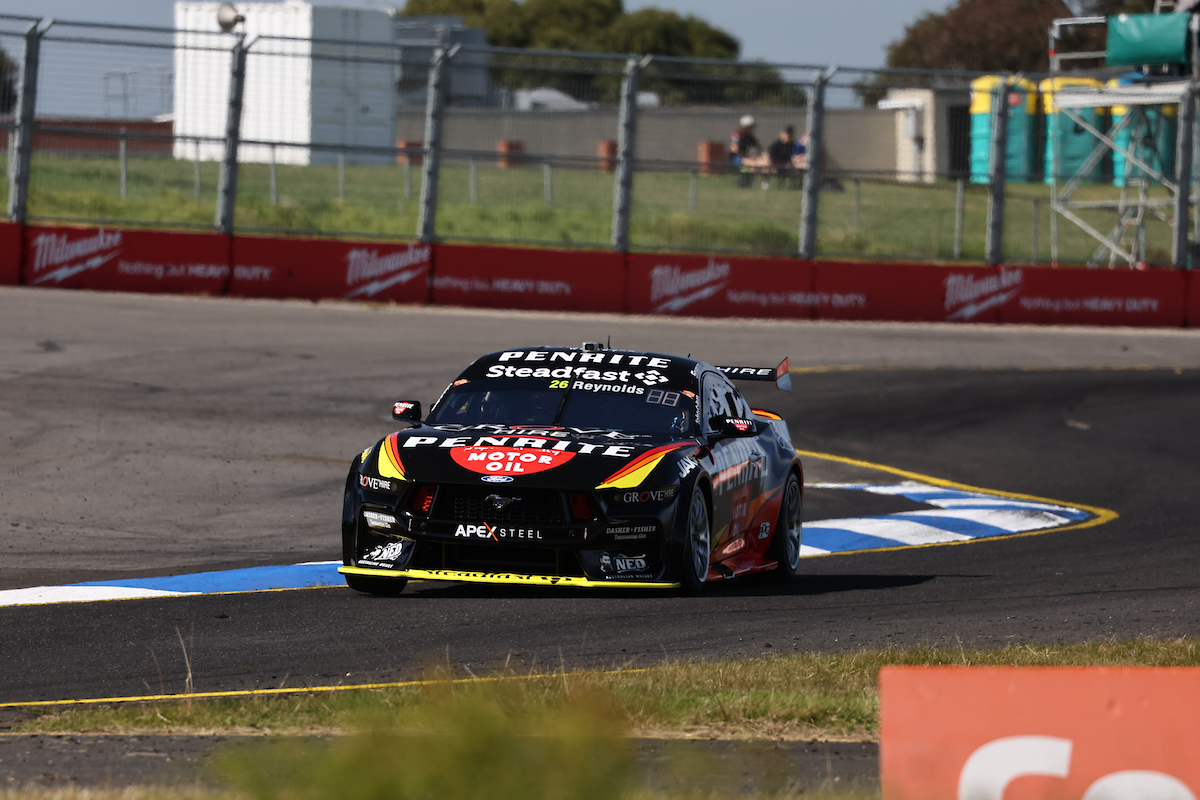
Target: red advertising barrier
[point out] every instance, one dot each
(10, 253)
(907, 292)
(536, 280)
(1192, 310)
(316, 269)
(720, 286)
(125, 261)
(1048, 296)
(949, 733)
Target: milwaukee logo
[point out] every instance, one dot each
(968, 295)
(365, 265)
(680, 287)
(53, 249)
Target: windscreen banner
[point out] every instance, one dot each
(110, 259)
(10, 253)
(319, 269)
(1042, 733)
(720, 286)
(1048, 296)
(534, 280)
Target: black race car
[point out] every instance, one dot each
(578, 467)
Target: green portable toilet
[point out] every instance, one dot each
(1021, 96)
(1151, 138)
(1066, 138)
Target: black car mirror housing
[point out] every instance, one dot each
(407, 411)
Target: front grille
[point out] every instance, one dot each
(523, 560)
(518, 506)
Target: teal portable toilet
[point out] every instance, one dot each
(1066, 138)
(1151, 138)
(1021, 96)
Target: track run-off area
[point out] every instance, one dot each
(979, 485)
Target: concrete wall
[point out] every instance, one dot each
(861, 140)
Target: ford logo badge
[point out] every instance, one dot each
(496, 479)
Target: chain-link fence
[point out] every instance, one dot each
(355, 122)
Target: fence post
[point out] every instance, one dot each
(1183, 177)
(812, 175)
(227, 183)
(999, 152)
(434, 107)
(959, 201)
(20, 142)
(627, 132)
(123, 156)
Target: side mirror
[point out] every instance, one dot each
(731, 428)
(407, 411)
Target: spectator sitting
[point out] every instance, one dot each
(744, 150)
(785, 154)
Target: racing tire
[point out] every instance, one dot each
(785, 545)
(383, 587)
(697, 546)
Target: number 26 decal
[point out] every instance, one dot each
(559, 384)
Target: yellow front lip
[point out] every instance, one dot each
(501, 577)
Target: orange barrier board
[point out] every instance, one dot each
(1010, 733)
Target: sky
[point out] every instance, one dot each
(842, 32)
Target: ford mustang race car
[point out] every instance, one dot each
(580, 467)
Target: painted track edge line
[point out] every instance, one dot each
(180, 594)
(304, 690)
(1103, 515)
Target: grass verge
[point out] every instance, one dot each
(802, 696)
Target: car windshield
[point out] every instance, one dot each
(530, 402)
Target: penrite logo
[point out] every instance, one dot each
(72, 256)
(678, 288)
(378, 273)
(968, 296)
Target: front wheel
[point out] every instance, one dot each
(785, 546)
(384, 587)
(696, 545)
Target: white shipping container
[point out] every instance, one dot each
(317, 78)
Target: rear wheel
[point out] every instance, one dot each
(785, 546)
(384, 587)
(696, 545)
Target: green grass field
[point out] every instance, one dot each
(894, 220)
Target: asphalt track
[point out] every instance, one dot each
(142, 436)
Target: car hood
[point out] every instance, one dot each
(550, 457)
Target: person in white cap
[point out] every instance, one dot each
(744, 150)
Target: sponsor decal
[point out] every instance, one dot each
(142, 269)
(750, 297)
(748, 372)
(631, 531)
(646, 495)
(486, 531)
(621, 564)
(739, 510)
(504, 432)
(741, 425)
(509, 460)
(632, 474)
(402, 406)
(1098, 305)
(686, 465)
(673, 288)
(651, 377)
(968, 294)
(580, 357)
(377, 273)
(66, 257)
(504, 285)
(387, 552)
(252, 274)
(390, 465)
(764, 530)
(497, 479)
(377, 520)
(377, 484)
(498, 502)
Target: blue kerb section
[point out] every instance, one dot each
(252, 579)
(994, 501)
(836, 540)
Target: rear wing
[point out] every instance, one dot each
(779, 375)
